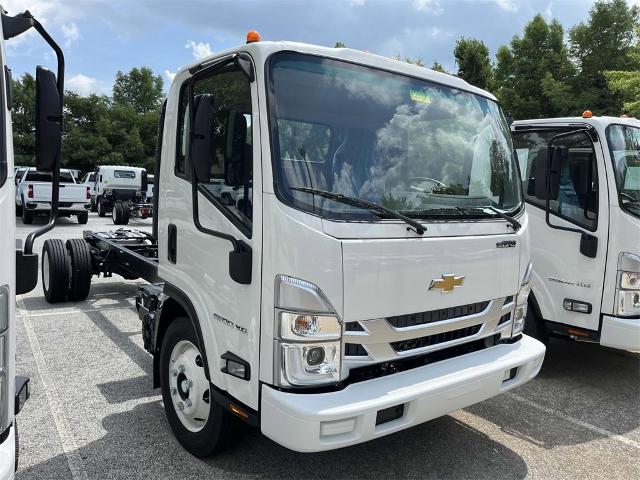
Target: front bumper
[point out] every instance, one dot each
(324, 421)
(8, 456)
(622, 333)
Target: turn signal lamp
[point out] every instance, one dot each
(253, 36)
(587, 114)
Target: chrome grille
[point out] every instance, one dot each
(379, 340)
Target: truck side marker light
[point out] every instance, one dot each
(235, 366)
(576, 306)
(238, 411)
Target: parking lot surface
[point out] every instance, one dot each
(93, 413)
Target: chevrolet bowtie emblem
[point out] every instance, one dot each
(447, 283)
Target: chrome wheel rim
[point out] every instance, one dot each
(45, 270)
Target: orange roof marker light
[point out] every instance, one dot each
(587, 114)
(253, 36)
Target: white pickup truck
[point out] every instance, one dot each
(33, 196)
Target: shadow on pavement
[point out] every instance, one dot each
(136, 446)
(589, 383)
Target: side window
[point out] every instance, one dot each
(577, 201)
(230, 184)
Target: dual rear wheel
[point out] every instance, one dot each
(66, 270)
(120, 213)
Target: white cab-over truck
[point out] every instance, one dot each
(371, 273)
(122, 191)
(18, 266)
(581, 181)
(33, 196)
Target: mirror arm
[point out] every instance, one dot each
(55, 177)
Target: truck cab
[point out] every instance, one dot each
(371, 270)
(581, 181)
(18, 262)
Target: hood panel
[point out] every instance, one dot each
(392, 277)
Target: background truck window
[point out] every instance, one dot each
(578, 198)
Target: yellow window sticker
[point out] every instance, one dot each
(419, 96)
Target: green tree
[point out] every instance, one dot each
(627, 83)
(438, 67)
(140, 89)
(533, 71)
(604, 43)
(472, 58)
(23, 116)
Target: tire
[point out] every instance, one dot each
(55, 271)
(535, 327)
(102, 211)
(18, 210)
(83, 218)
(116, 213)
(81, 271)
(93, 205)
(126, 213)
(200, 438)
(27, 216)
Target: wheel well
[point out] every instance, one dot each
(171, 310)
(533, 303)
(177, 305)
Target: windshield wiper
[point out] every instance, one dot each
(512, 221)
(358, 202)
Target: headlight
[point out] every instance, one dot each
(520, 312)
(308, 334)
(628, 288)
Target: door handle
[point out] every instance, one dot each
(172, 243)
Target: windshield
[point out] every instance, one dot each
(624, 145)
(407, 144)
(35, 176)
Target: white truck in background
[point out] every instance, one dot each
(90, 179)
(33, 196)
(122, 191)
(18, 265)
(375, 274)
(581, 178)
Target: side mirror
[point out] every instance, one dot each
(237, 166)
(548, 166)
(201, 150)
(48, 120)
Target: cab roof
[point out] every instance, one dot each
(596, 121)
(261, 50)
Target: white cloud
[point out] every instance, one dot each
(170, 75)
(70, 33)
(508, 5)
(199, 49)
(358, 3)
(548, 12)
(85, 85)
(431, 6)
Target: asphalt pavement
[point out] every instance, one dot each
(93, 413)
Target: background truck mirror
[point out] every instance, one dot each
(201, 151)
(48, 120)
(237, 165)
(548, 168)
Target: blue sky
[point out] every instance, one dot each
(100, 37)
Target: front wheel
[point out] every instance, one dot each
(196, 420)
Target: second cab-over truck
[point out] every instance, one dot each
(371, 272)
(585, 229)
